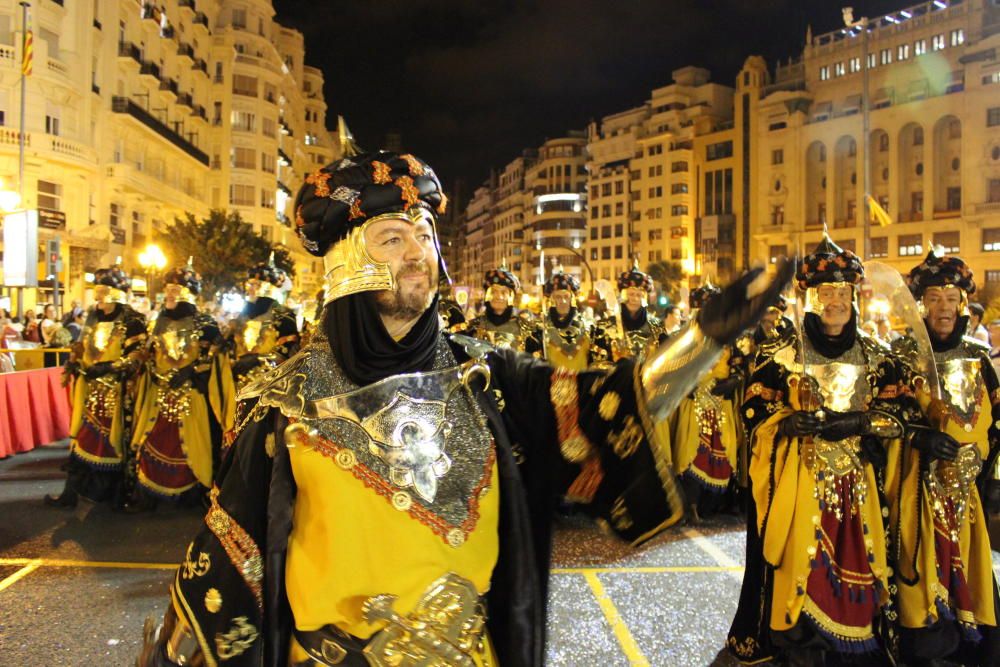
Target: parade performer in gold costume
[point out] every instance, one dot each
(632, 330)
(389, 497)
(185, 396)
(568, 339)
(947, 591)
(101, 367)
(502, 324)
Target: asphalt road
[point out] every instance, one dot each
(76, 585)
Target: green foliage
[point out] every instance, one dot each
(668, 277)
(223, 246)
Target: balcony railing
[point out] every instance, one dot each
(149, 12)
(201, 18)
(184, 99)
(169, 86)
(126, 106)
(185, 51)
(946, 213)
(188, 4)
(200, 64)
(129, 50)
(988, 207)
(150, 69)
(199, 111)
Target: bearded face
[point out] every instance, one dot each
(411, 254)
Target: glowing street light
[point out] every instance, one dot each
(152, 260)
(10, 200)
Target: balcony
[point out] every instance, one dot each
(201, 18)
(988, 207)
(185, 100)
(97, 24)
(946, 213)
(149, 12)
(185, 51)
(200, 65)
(130, 51)
(150, 69)
(56, 67)
(94, 88)
(124, 105)
(169, 86)
(167, 32)
(283, 159)
(186, 4)
(198, 111)
(911, 216)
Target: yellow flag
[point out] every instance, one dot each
(878, 213)
(28, 51)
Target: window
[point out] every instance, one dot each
(718, 151)
(777, 215)
(49, 195)
(619, 208)
(655, 235)
(618, 252)
(883, 142)
(245, 85)
(244, 121)
(655, 149)
(903, 52)
(606, 211)
(954, 198)
(937, 42)
(241, 195)
(594, 214)
(839, 69)
(778, 156)
(619, 230)
(776, 252)
(606, 232)
(675, 253)
(114, 215)
(656, 192)
(619, 187)
(911, 245)
(606, 252)
(991, 240)
(270, 128)
(992, 279)
(872, 62)
(239, 18)
(854, 65)
(852, 148)
(920, 47)
(679, 210)
(918, 136)
(606, 190)
(266, 198)
(949, 241)
(593, 233)
(653, 171)
(993, 117)
(268, 162)
(824, 73)
(957, 37)
(880, 246)
(52, 124)
(593, 191)
(677, 167)
(885, 56)
(243, 158)
(993, 190)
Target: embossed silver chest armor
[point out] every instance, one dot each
(962, 383)
(176, 342)
(422, 433)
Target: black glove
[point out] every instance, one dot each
(799, 424)
(873, 451)
(725, 317)
(246, 363)
(726, 386)
(933, 443)
(182, 376)
(841, 425)
(99, 369)
(71, 368)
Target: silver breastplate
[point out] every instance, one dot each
(568, 339)
(176, 341)
(962, 385)
(423, 434)
(843, 384)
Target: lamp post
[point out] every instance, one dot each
(862, 23)
(152, 260)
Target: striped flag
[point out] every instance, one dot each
(28, 53)
(878, 213)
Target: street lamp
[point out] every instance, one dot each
(152, 260)
(851, 24)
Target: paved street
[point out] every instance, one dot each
(75, 586)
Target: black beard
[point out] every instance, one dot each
(399, 306)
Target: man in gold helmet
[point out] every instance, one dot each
(389, 497)
(937, 485)
(266, 333)
(184, 401)
(101, 368)
(502, 324)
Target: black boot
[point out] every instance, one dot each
(67, 499)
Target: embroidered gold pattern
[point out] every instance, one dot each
(239, 546)
(191, 569)
(620, 516)
(235, 642)
(408, 190)
(609, 406)
(381, 173)
(318, 179)
(355, 211)
(768, 394)
(213, 600)
(625, 442)
(573, 443)
(416, 169)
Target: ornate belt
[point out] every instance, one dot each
(445, 629)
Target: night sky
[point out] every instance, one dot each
(469, 83)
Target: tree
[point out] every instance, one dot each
(223, 247)
(668, 275)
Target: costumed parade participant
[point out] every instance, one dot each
(184, 402)
(266, 333)
(502, 324)
(819, 432)
(391, 489)
(633, 330)
(101, 367)
(705, 437)
(947, 598)
(567, 337)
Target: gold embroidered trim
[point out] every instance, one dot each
(240, 637)
(573, 444)
(758, 389)
(240, 547)
(661, 456)
(839, 630)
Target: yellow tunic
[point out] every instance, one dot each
(918, 603)
(686, 437)
(349, 543)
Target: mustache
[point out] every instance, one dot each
(421, 267)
